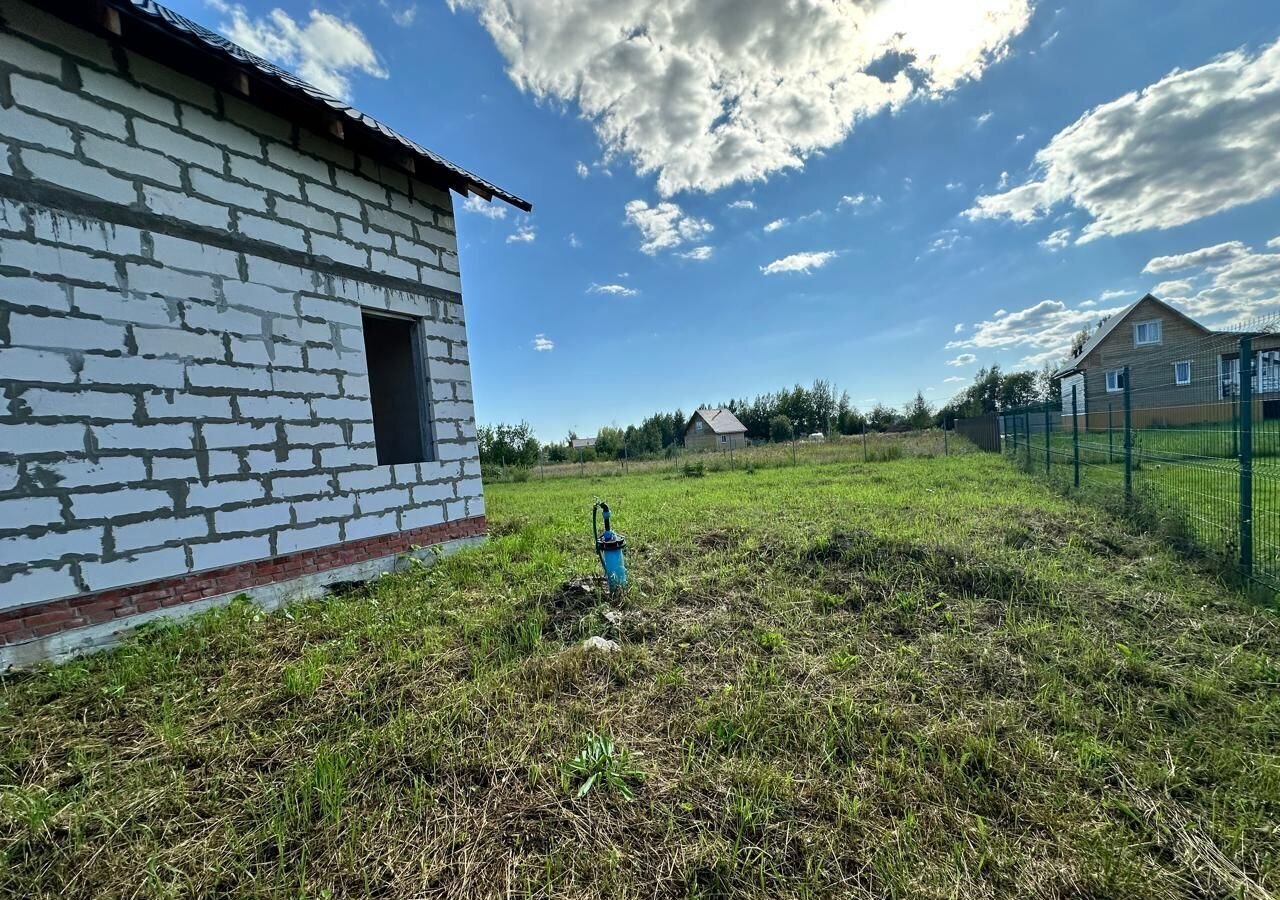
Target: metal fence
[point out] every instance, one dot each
(983, 431)
(1182, 435)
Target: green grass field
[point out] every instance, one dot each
(917, 678)
(1186, 482)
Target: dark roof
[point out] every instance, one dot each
(1110, 325)
(156, 31)
(720, 420)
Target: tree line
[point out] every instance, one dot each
(778, 416)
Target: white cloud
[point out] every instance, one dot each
(775, 225)
(485, 208)
(618, 290)
(1274, 243)
(954, 379)
(1057, 240)
(945, 241)
(955, 185)
(964, 359)
(1195, 143)
(573, 241)
(1206, 257)
(1044, 330)
(405, 16)
(524, 234)
(858, 201)
(705, 93)
(959, 327)
(1222, 285)
(800, 262)
(325, 51)
(542, 343)
(665, 226)
(1114, 295)
(1088, 303)
(742, 204)
(1036, 360)
(983, 119)
(697, 253)
(582, 169)
(1179, 289)
(1018, 139)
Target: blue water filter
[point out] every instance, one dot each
(609, 546)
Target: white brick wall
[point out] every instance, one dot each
(161, 419)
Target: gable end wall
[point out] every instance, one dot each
(182, 376)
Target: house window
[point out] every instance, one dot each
(697, 427)
(1229, 375)
(1182, 372)
(1268, 371)
(724, 438)
(1115, 380)
(1146, 332)
(397, 388)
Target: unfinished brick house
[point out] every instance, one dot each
(232, 350)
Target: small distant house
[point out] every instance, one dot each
(582, 443)
(1177, 370)
(233, 356)
(714, 429)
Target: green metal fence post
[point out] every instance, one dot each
(1047, 435)
(1075, 437)
(1110, 452)
(1128, 439)
(1235, 430)
(946, 449)
(864, 442)
(1027, 422)
(1246, 456)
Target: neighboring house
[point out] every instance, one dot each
(582, 443)
(714, 429)
(234, 357)
(1180, 372)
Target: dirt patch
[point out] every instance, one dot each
(869, 567)
(504, 527)
(570, 604)
(717, 539)
(1034, 530)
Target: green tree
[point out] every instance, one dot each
(918, 413)
(882, 417)
(507, 445)
(609, 443)
(780, 430)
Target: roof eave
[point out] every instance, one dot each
(154, 31)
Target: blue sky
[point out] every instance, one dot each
(955, 184)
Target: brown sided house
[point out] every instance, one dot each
(1180, 372)
(714, 429)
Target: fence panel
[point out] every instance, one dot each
(983, 431)
(1183, 435)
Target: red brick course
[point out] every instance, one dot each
(18, 626)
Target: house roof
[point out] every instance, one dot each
(720, 420)
(156, 31)
(1110, 325)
